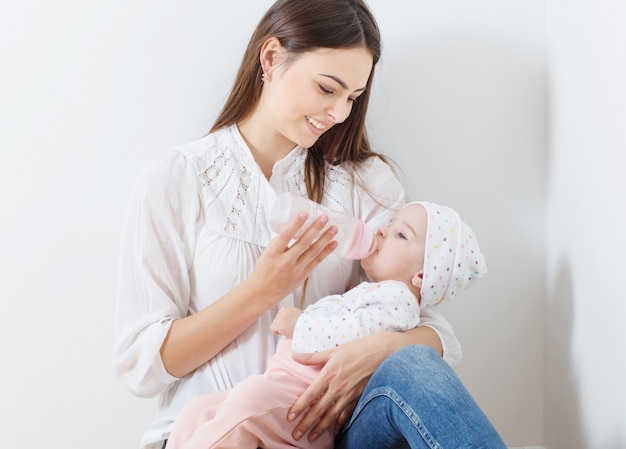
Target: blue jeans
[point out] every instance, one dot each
(415, 400)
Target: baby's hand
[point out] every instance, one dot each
(285, 321)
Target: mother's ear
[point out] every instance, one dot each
(270, 55)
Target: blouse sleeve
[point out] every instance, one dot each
(378, 193)
(432, 317)
(153, 282)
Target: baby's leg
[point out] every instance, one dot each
(254, 414)
(193, 415)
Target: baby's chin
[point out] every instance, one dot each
(365, 265)
(372, 277)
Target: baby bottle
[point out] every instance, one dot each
(355, 238)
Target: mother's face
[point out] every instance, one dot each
(311, 93)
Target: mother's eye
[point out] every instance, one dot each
(325, 90)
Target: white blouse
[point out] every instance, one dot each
(196, 224)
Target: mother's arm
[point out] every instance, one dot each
(334, 394)
(193, 340)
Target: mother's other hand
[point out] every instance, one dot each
(332, 397)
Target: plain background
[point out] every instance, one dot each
(511, 112)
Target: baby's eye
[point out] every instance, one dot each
(402, 235)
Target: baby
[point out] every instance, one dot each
(425, 255)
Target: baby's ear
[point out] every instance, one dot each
(417, 279)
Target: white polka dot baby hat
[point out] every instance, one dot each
(452, 258)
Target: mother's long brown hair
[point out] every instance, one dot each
(302, 26)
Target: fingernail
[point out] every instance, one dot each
(298, 435)
(312, 437)
(291, 417)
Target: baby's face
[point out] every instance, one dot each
(399, 253)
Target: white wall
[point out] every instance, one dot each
(89, 91)
(586, 241)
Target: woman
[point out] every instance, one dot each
(202, 276)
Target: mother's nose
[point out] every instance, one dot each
(340, 110)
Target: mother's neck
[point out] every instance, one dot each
(266, 145)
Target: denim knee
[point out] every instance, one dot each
(414, 358)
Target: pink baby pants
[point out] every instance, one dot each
(253, 413)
